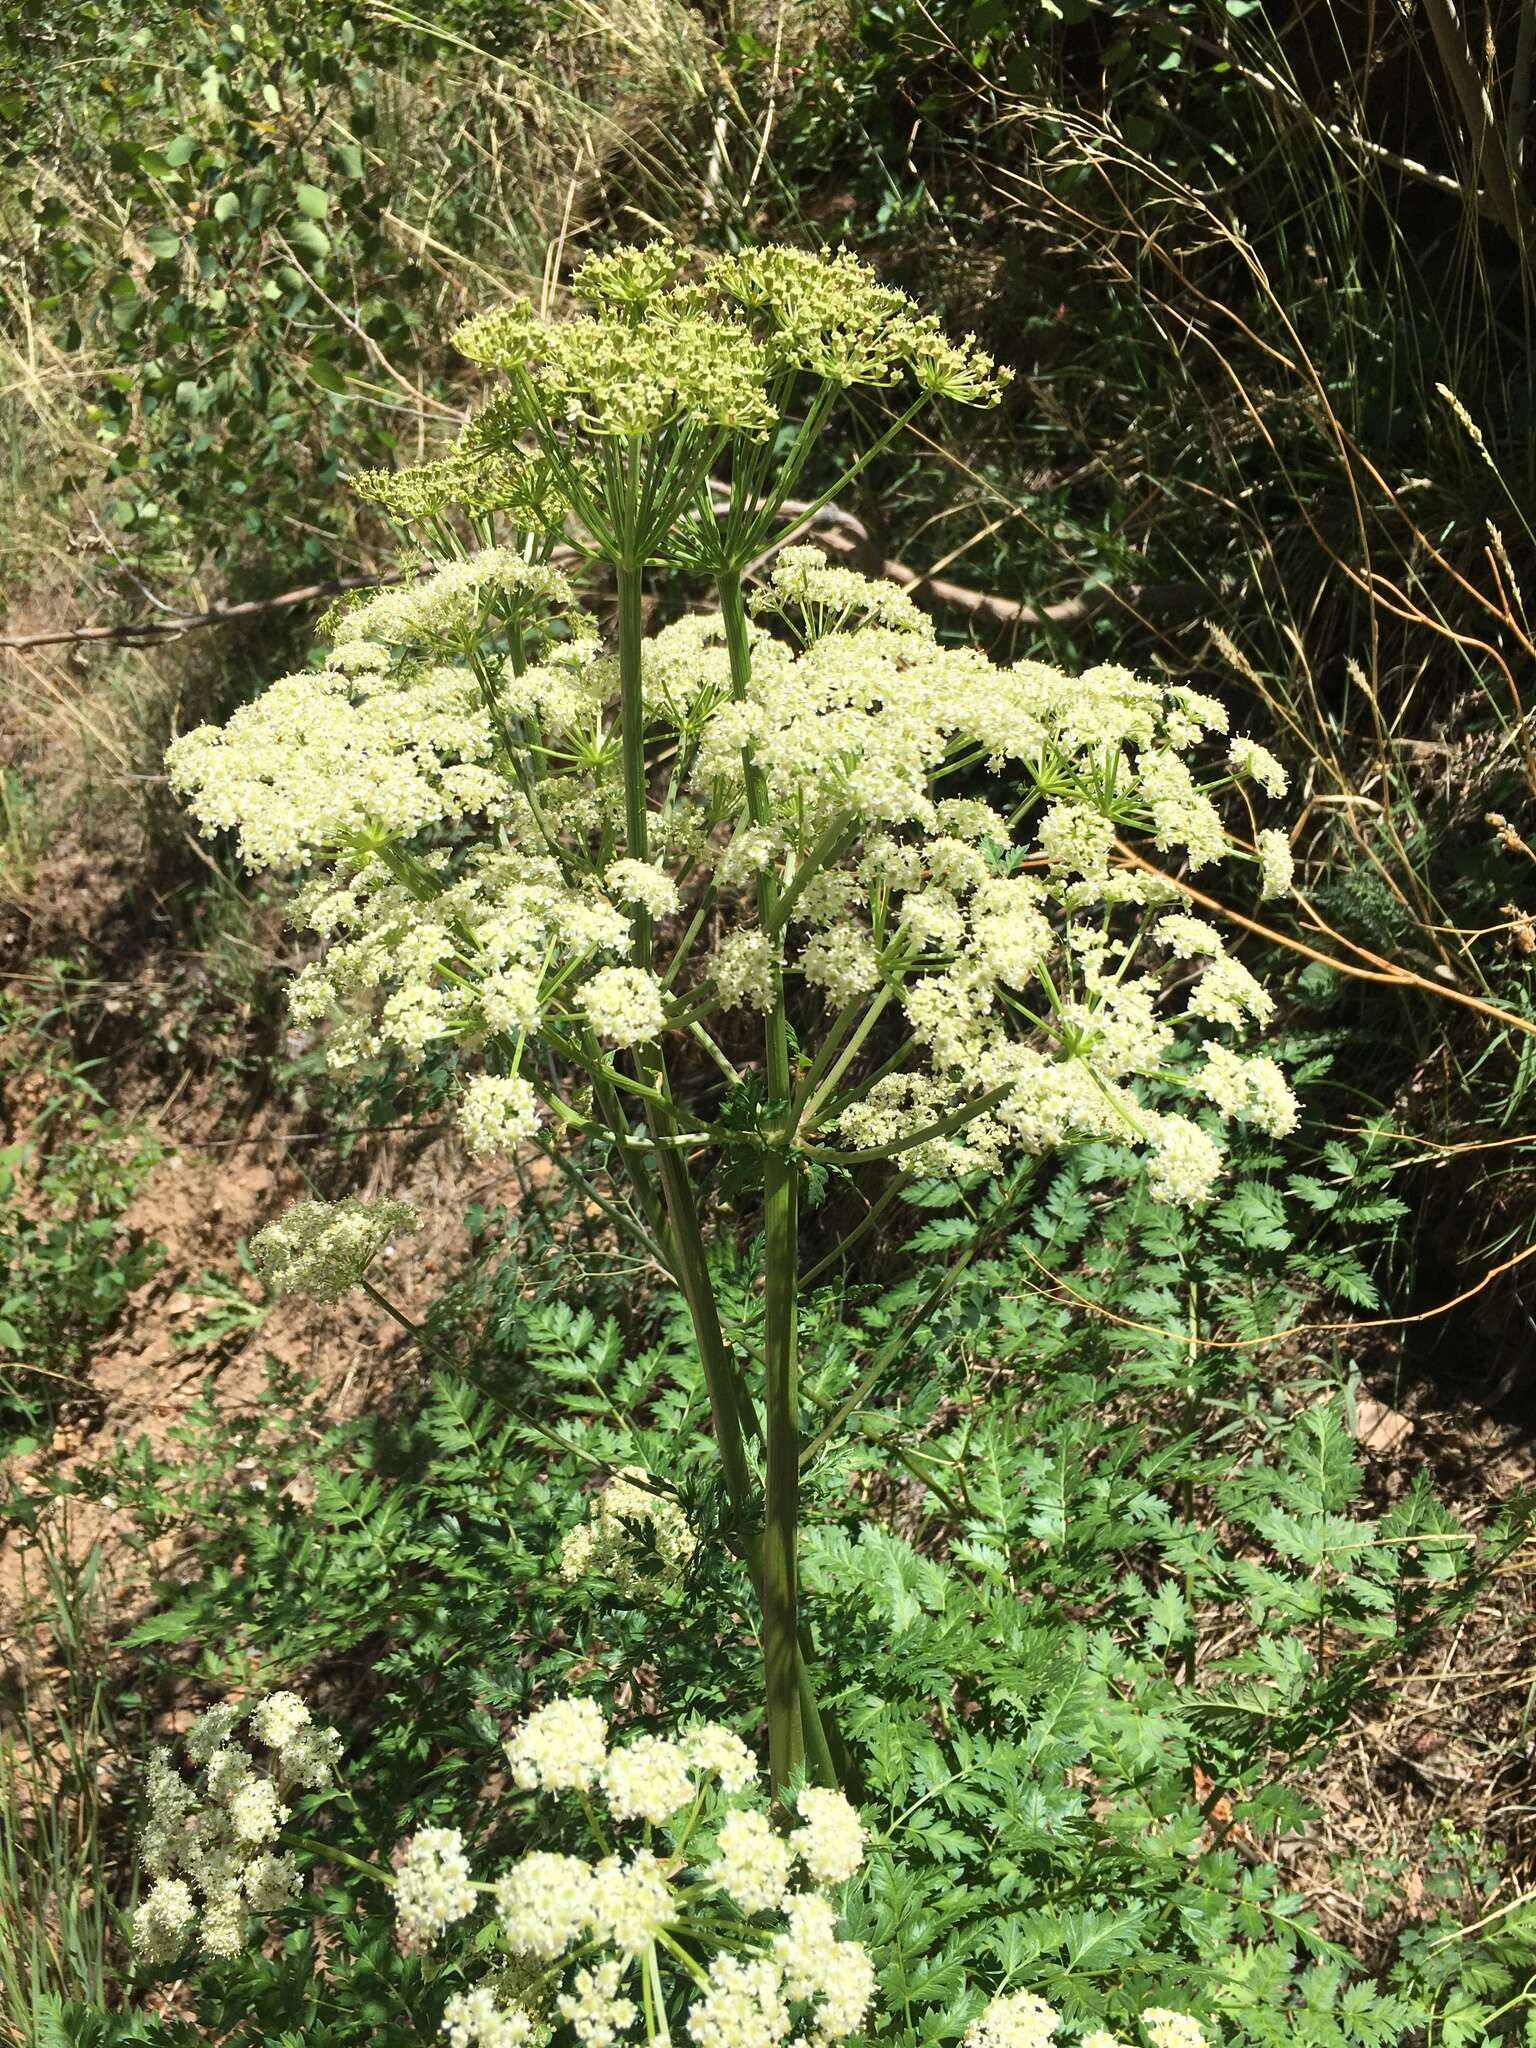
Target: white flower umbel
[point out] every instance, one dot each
(1167, 2029)
(1277, 864)
(742, 2006)
(1018, 2019)
(751, 1862)
(649, 1779)
(432, 1887)
(544, 1904)
(497, 1112)
(475, 2019)
(208, 1843)
(717, 1752)
(163, 1920)
(830, 1838)
(561, 1748)
(324, 1248)
(633, 1535)
(1022, 2019)
(594, 2007)
(624, 1005)
(683, 1904)
(631, 1902)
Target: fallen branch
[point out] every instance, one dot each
(1008, 611)
(840, 533)
(172, 628)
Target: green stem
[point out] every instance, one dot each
(781, 1513)
(820, 1085)
(1191, 1425)
(781, 1365)
(689, 1259)
(331, 1855)
(720, 1377)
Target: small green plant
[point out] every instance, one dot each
(23, 833)
(68, 1260)
(225, 1313)
(67, 1740)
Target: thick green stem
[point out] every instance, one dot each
(637, 831)
(781, 1511)
(687, 1238)
(720, 1376)
(781, 1362)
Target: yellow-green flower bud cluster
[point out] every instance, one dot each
(632, 1535)
(690, 1882)
(632, 403)
(470, 479)
(826, 314)
(324, 1248)
(611, 375)
(208, 1845)
(657, 350)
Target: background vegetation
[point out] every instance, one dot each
(1264, 276)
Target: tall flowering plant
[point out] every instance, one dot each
(906, 872)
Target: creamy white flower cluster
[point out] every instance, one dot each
(450, 610)
(632, 1535)
(325, 762)
(714, 1914)
(323, 1248)
(821, 598)
(513, 484)
(392, 738)
(1021, 2019)
(1034, 966)
(208, 1845)
(492, 953)
(1041, 977)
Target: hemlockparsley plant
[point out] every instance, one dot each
(908, 872)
